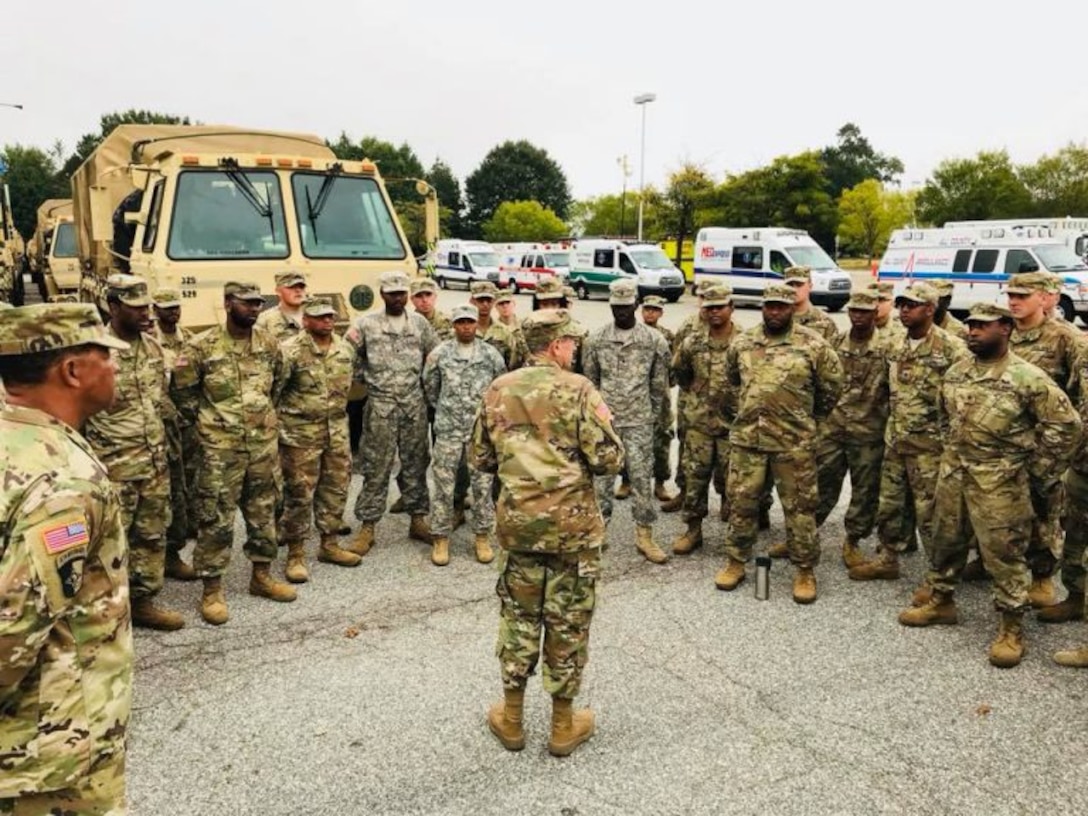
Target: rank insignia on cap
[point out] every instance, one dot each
(61, 537)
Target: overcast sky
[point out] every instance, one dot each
(737, 84)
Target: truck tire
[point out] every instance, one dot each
(582, 290)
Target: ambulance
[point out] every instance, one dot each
(594, 264)
(523, 265)
(461, 263)
(1073, 231)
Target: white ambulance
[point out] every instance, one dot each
(750, 258)
(979, 260)
(460, 263)
(523, 265)
(1073, 231)
(594, 264)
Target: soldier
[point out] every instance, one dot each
(653, 307)
(851, 439)
(130, 440)
(315, 453)
(424, 293)
(551, 294)
(789, 378)
(804, 313)
(886, 322)
(546, 433)
(285, 321)
(918, 360)
(390, 349)
(65, 632)
(699, 366)
(629, 363)
(454, 378)
(507, 307)
(941, 316)
(508, 342)
(1010, 432)
(228, 384)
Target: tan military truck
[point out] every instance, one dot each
(192, 207)
(53, 253)
(12, 253)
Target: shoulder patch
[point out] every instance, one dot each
(603, 412)
(65, 535)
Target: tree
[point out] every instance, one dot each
(86, 145)
(1058, 184)
(867, 215)
(31, 177)
(689, 189)
(394, 163)
(450, 201)
(523, 221)
(853, 160)
(514, 171)
(984, 187)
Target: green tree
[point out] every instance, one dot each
(1058, 184)
(523, 221)
(31, 177)
(852, 160)
(514, 171)
(450, 201)
(867, 215)
(610, 216)
(689, 190)
(394, 163)
(984, 187)
(86, 145)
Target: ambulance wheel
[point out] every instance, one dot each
(513, 287)
(441, 282)
(582, 290)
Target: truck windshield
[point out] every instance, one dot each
(64, 240)
(483, 259)
(231, 214)
(1059, 258)
(554, 259)
(650, 258)
(811, 256)
(344, 217)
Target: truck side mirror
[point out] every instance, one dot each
(101, 214)
(134, 218)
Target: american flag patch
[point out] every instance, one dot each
(65, 536)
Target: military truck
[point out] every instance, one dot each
(193, 207)
(53, 253)
(12, 253)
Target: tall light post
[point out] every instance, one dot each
(642, 100)
(622, 162)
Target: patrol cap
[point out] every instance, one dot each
(622, 292)
(884, 290)
(52, 326)
(1055, 282)
(422, 285)
(776, 293)
(391, 282)
(128, 289)
(918, 293)
(987, 313)
(943, 286)
(718, 294)
(544, 326)
(1025, 283)
(702, 286)
(290, 279)
(166, 298)
(569, 293)
(466, 311)
(863, 301)
(242, 290)
(797, 274)
(653, 302)
(483, 289)
(550, 289)
(318, 307)
(504, 296)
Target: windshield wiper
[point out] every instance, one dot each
(249, 193)
(315, 208)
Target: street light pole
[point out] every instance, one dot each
(622, 161)
(642, 100)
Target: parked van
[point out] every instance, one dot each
(523, 265)
(460, 263)
(594, 264)
(1072, 231)
(979, 261)
(750, 258)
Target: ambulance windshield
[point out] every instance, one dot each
(811, 256)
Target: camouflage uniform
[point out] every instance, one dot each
(631, 370)
(507, 341)
(1075, 511)
(453, 384)
(693, 323)
(818, 321)
(279, 324)
(440, 323)
(182, 453)
(389, 362)
(229, 388)
(546, 433)
(786, 384)
(955, 327)
(313, 439)
(66, 649)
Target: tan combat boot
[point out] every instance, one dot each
(213, 604)
(569, 728)
(419, 529)
(296, 571)
(780, 549)
(885, 567)
(921, 595)
(661, 493)
(1073, 658)
(1008, 648)
(484, 553)
(1042, 592)
(263, 585)
(852, 556)
(363, 540)
(675, 504)
(804, 586)
(940, 609)
(1071, 609)
(623, 490)
(330, 552)
(147, 615)
(177, 569)
(440, 551)
(730, 576)
(690, 540)
(645, 544)
(504, 719)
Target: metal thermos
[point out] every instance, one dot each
(763, 577)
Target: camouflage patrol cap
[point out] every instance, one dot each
(1055, 282)
(483, 289)
(546, 325)
(863, 301)
(242, 290)
(128, 289)
(797, 274)
(390, 282)
(422, 285)
(466, 311)
(884, 290)
(166, 298)
(504, 296)
(318, 307)
(777, 293)
(569, 293)
(290, 279)
(987, 313)
(550, 289)
(717, 294)
(918, 293)
(944, 287)
(653, 302)
(1027, 282)
(622, 292)
(52, 326)
(702, 286)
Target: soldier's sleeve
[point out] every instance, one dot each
(829, 379)
(1058, 431)
(432, 379)
(521, 350)
(591, 367)
(597, 439)
(659, 374)
(732, 365)
(484, 456)
(682, 370)
(185, 381)
(290, 368)
(279, 372)
(357, 338)
(428, 338)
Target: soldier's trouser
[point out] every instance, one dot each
(181, 527)
(99, 793)
(1001, 520)
(231, 480)
(663, 442)
(862, 460)
(794, 474)
(705, 456)
(145, 513)
(681, 432)
(904, 477)
(1075, 522)
(555, 593)
(314, 479)
(448, 457)
(638, 445)
(389, 431)
(1045, 542)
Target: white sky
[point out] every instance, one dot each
(737, 84)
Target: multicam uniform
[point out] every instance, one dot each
(507, 341)
(818, 321)
(665, 420)
(440, 323)
(181, 453)
(957, 328)
(279, 324)
(1074, 561)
